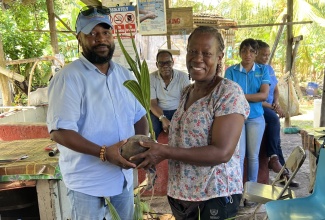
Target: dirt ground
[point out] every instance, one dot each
(289, 142)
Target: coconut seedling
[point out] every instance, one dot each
(140, 88)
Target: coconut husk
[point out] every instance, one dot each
(132, 147)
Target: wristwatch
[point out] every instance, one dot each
(161, 117)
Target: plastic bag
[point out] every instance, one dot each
(38, 97)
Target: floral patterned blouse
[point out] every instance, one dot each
(191, 128)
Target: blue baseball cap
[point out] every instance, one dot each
(85, 24)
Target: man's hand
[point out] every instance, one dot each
(165, 125)
(113, 155)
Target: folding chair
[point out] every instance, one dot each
(263, 193)
(311, 207)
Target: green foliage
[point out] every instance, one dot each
(140, 88)
(309, 60)
(16, 24)
(24, 31)
(112, 210)
(138, 209)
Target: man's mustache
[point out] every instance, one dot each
(101, 45)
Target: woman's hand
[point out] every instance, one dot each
(151, 157)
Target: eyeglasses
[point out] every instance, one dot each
(90, 9)
(162, 63)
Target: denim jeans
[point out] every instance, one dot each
(272, 134)
(249, 146)
(86, 207)
(157, 125)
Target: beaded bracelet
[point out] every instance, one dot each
(102, 154)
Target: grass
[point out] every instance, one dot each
(305, 107)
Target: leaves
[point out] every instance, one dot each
(135, 88)
(131, 62)
(138, 209)
(112, 210)
(141, 88)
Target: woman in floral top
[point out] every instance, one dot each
(204, 165)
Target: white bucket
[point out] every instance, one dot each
(317, 108)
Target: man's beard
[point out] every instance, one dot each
(93, 57)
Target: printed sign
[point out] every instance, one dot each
(152, 17)
(124, 22)
(179, 21)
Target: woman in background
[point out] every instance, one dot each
(254, 79)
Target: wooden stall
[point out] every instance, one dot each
(313, 140)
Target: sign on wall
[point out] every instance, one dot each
(152, 17)
(179, 21)
(124, 22)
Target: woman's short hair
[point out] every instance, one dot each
(249, 42)
(262, 44)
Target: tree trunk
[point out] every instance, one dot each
(4, 80)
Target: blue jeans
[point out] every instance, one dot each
(157, 125)
(250, 141)
(86, 207)
(272, 134)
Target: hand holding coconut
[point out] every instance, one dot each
(113, 155)
(154, 154)
(135, 151)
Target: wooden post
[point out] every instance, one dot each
(169, 44)
(4, 80)
(287, 122)
(51, 15)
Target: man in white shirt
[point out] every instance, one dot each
(166, 85)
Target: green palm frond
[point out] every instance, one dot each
(138, 209)
(131, 62)
(145, 80)
(112, 210)
(140, 88)
(135, 88)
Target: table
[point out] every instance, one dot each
(39, 170)
(312, 140)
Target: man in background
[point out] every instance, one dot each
(166, 85)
